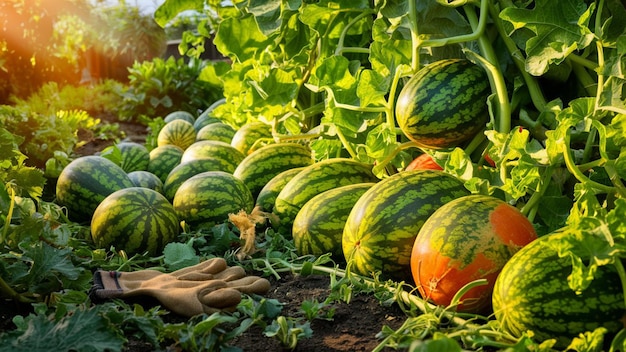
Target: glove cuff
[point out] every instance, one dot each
(106, 285)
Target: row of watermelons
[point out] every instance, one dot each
(420, 225)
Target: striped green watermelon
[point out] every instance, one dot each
(213, 149)
(207, 198)
(258, 168)
(252, 136)
(383, 224)
(444, 104)
(163, 159)
(467, 239)
(184, 171)
(147, 179)
(179, 115)
(206, 117)
(318, 226)
(135, 220)
(180, 133)
(315, 179)
(134, 156)
(217, 132)
(532, 293)
(85, 182)
(267, 196)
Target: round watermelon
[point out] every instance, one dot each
(85, 182)
(467, 239)
(179, 132)
(208, 198)
(383, 224)
(146, 179)
(135, 220)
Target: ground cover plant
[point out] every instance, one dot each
(517, 104)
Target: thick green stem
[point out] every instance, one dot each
(529, 209)
(573, 169)
(536, 95)
(493, 70)
(340, 47)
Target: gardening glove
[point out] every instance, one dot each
(207, 287)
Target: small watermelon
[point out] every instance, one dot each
(163, 159)
(214, 149)
(315, 179)
(135, 220)
(85, 182)
(134, 156)
(184, 171)
(180, 133)
(252, 136)
(207, 198)
(444, 103)
(318, 227)
(146, 179)
(267, 196)
(179, 115)
(259, 167)
(216, 132)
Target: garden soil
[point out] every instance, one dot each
(354, 326)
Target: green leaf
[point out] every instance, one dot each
(560, 27)
(250, 40)
(171, 8)
(83, 330)
(179, 255)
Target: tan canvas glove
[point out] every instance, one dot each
(206, 287)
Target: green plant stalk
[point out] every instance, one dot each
(495, 76)
(403, 295)
(340, 47)
(7, 223)
(573, 169)
(345, 143)
(530, 208)
(536, 95)
(380, 166)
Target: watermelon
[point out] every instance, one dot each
(184, 171)
(85, 182)
(207, 198)
(532, 293)
(206, 117)
(134, 156)
(256, 169)
(318, 226)
(315, 179)
(214, 149)
(267, 196)
(444, 104)
(252, 136)
(146, 179)
(179, 115)
(163, 159)
(217, 132)
(135, 220)
(180, 133)
(383, 224)
(467, 239)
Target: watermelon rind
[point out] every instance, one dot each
(259, 167)
(382, 226)
(135, 220)
(85, 182)
(532, 293)
(207, 199)
(318, 226)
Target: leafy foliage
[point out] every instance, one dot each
(158, 87)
